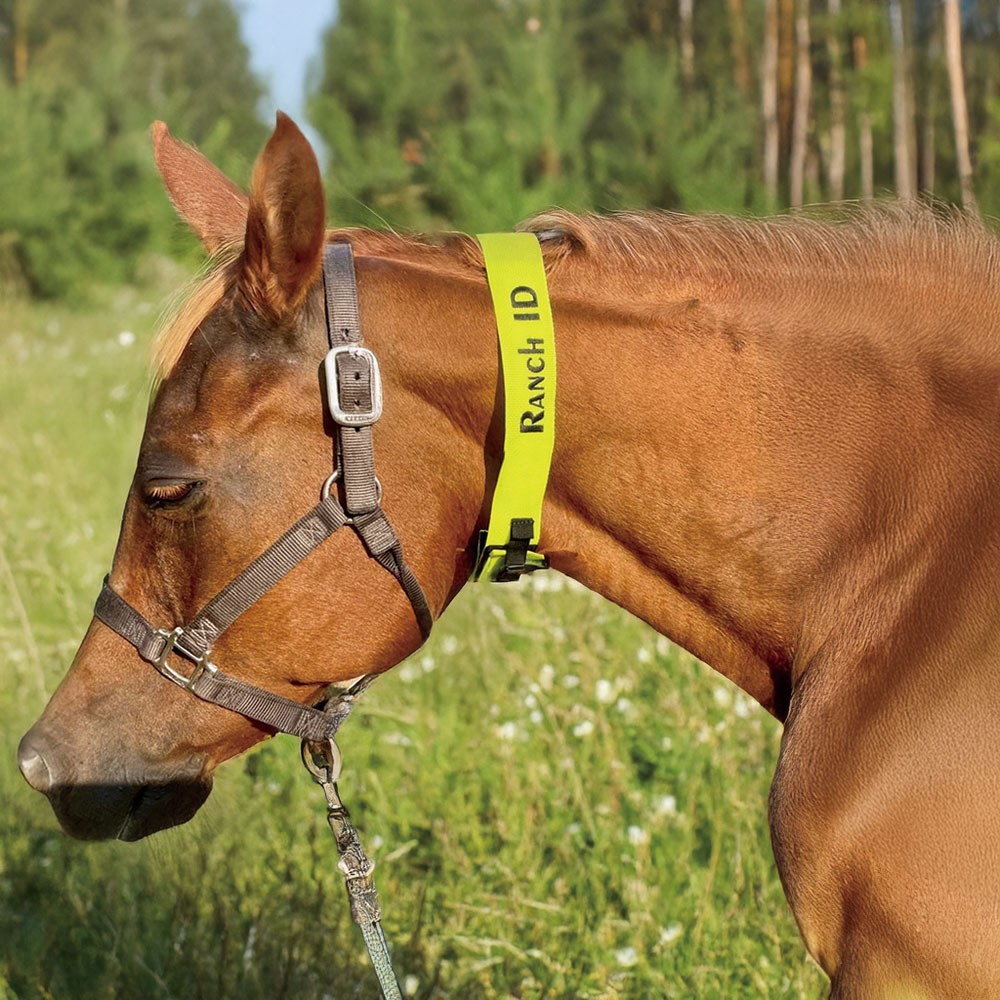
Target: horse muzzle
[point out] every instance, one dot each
(137, 801)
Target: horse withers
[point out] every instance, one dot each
(776, 444)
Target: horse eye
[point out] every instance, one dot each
(167, 494)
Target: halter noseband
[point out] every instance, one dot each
(354, 398)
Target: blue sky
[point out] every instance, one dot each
(284, 36)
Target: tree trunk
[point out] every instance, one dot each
(866, 144)
(686, 11)
(904, 142)
(769, 101)
(738, 40)
(959, 110)
(838, 131)
(928, 138)
(800, 116)
(786, 71)
(20, 42)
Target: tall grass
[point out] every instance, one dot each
(560, 802)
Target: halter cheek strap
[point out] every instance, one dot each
(354, 398)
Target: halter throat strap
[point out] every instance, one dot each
(354, 397)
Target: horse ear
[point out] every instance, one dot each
(286, 227)
(208, 201)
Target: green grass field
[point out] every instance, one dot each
(561, 803)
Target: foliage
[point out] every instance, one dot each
(561, 804)
(468, 114)
(474, 115)
(82, 201)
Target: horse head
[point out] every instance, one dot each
(237, 445)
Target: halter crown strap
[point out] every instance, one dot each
(354, 396)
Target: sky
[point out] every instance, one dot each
(284, 36)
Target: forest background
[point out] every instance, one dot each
(472, 115)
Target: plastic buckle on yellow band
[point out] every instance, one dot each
(509, 562)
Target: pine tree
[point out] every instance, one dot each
(79, 87)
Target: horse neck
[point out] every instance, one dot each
(664, 497)
(650, 501)
(699, 480)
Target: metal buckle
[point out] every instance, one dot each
(354, 418)
(171, 643)
(323, 760)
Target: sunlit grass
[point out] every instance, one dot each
(560, 802)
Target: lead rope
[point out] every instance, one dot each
(353, 383)
(323, 762)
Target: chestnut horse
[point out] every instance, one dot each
(776, 443)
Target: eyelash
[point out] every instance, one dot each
(160, 495)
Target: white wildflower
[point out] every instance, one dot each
(410, 986)
(723, 697)
(605, 691)
(637, 836)
(666, 805)
(427, 663)
(671, 933)
(507, 731)
(546, 676)
(126, 338)
(571, 681)
(449, 646)
(584, 728)
(644, 655)
(536, 716)
(626, 957)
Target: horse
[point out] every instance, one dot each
(775, 444)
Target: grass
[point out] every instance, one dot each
(561, 803)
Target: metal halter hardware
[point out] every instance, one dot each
(171, 643)
(354, 397)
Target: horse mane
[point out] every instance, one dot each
(190, 308)
(890, 240)
(886, 238)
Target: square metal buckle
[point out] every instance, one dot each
(171, 644)
(352, 418)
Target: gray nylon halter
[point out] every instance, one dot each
(354, 398)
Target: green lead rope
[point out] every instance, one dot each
(526, 335)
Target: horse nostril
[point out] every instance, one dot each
(33, 767)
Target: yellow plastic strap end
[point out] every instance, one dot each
(516, 274)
